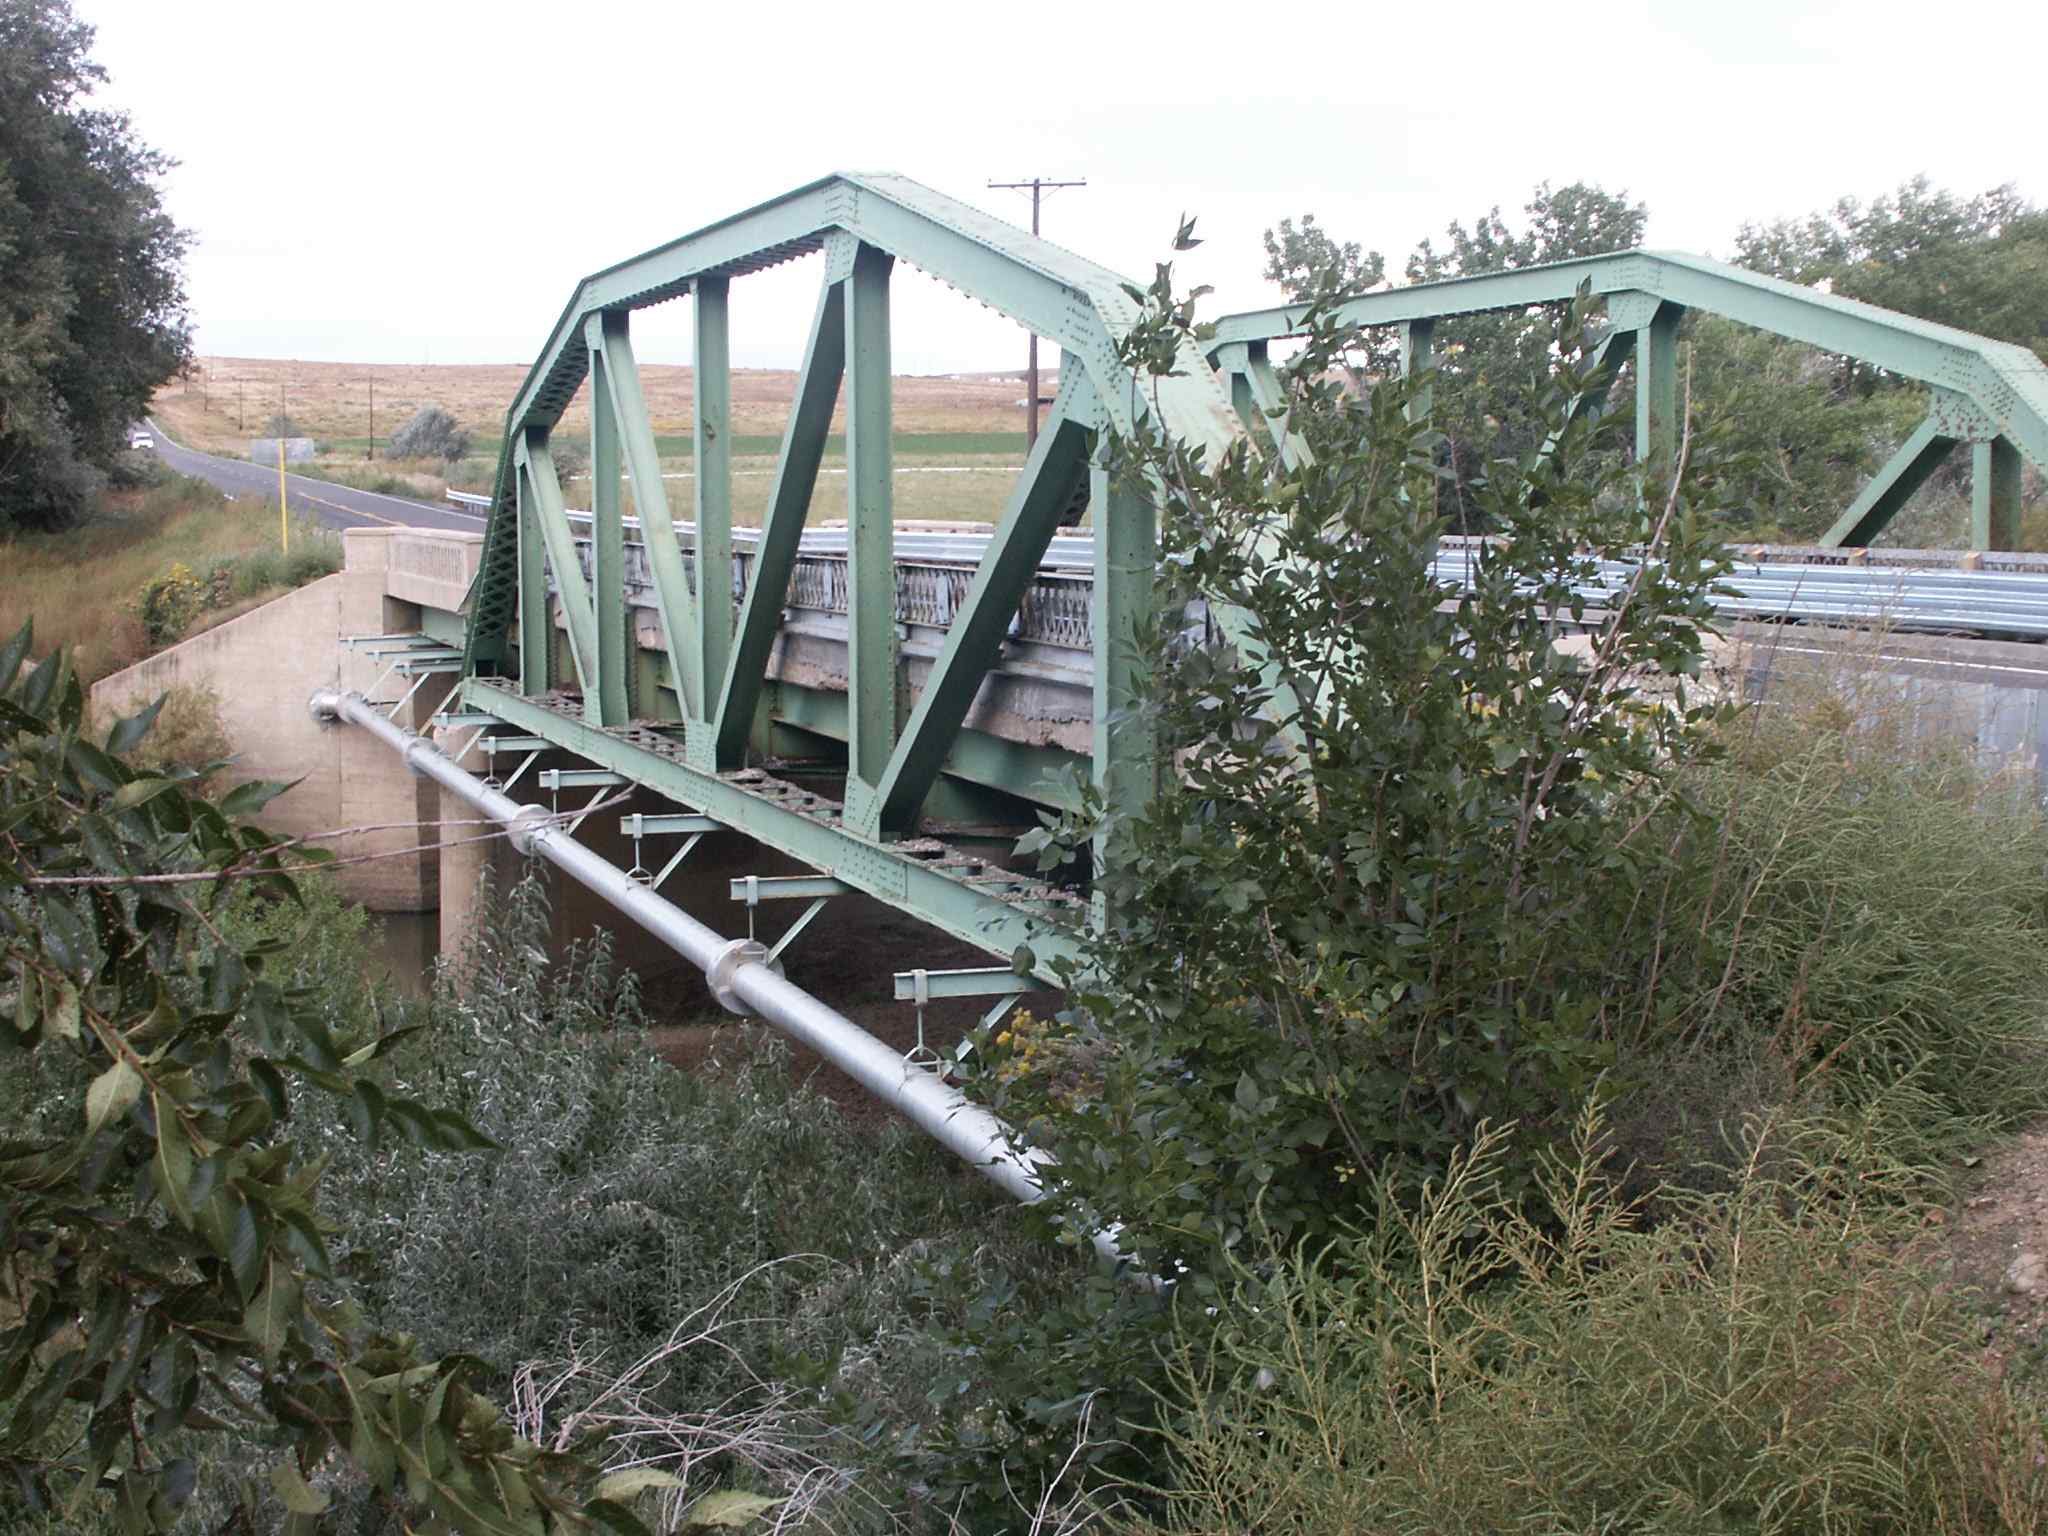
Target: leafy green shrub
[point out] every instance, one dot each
(314, 553)
(627, 1197)
(1352, 923)
(189, 735)
(168, 603)
(430, 433)
(1774, 1359)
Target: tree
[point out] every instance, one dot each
(1489, 367)
(1340, 933)
(165, 1271)
(1812, 428)
(91, 288)
(1304, 260)
(1980, 263)
(429, 433)
(1353, 921)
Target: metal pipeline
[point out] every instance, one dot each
(735, 968)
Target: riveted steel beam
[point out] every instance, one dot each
(1994, 494)
(580, 778)
(1657, 403)
(1257, 399)
(711, 436)
(640, 825)
(536, 624)
(618, 375)
(2006, 382)
(754, 889)
(606, 703)
(1044, 491)
(1126, 575)
(1418, 355)
(1892, 487)
(871, 680)
(789, 499)
(922, 986)
(996, 922)
(552, 522)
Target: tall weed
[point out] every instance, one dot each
(1862, 906)
(1773, 1359)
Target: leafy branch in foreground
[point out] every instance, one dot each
(164, 1268)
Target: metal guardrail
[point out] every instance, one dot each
(1921, 591)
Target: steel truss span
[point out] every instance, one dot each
(686, 705)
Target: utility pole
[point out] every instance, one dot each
(372, 454)
(1039, 186)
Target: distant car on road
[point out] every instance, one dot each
(142, 442)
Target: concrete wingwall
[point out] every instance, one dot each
(265, 665)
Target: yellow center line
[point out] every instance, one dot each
(322, 501)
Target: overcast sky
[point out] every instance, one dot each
(376, 181)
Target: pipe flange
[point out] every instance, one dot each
(723, 972)
(325, 705)
(416, 749)
(526, 829)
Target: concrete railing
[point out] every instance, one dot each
(432, 566)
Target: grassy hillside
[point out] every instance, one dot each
(112, 588)
(227, 400)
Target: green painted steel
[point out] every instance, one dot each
(1126, 575)
(871, 676)
(1054, 480)
(552, 520)
(862, 225)
(1038, 776)
(689, 740)
(1418, 349)
(1071, 301)
(619, 379)
(796, 477)
(2005, 385)
(1892, 487)
(1657, 400)
(1995, 495)
(962, 983)
(999, 912)
(536, 627)
(606, 704)
(711, 438)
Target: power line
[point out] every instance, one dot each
(1039, 185)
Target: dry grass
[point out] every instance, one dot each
(227, 400)
(954, 456)
(81, 585)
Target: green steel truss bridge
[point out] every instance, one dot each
(672, 656)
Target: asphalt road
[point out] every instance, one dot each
(336, 506)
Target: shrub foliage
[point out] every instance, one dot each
(430, 433)
(1354, 922)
